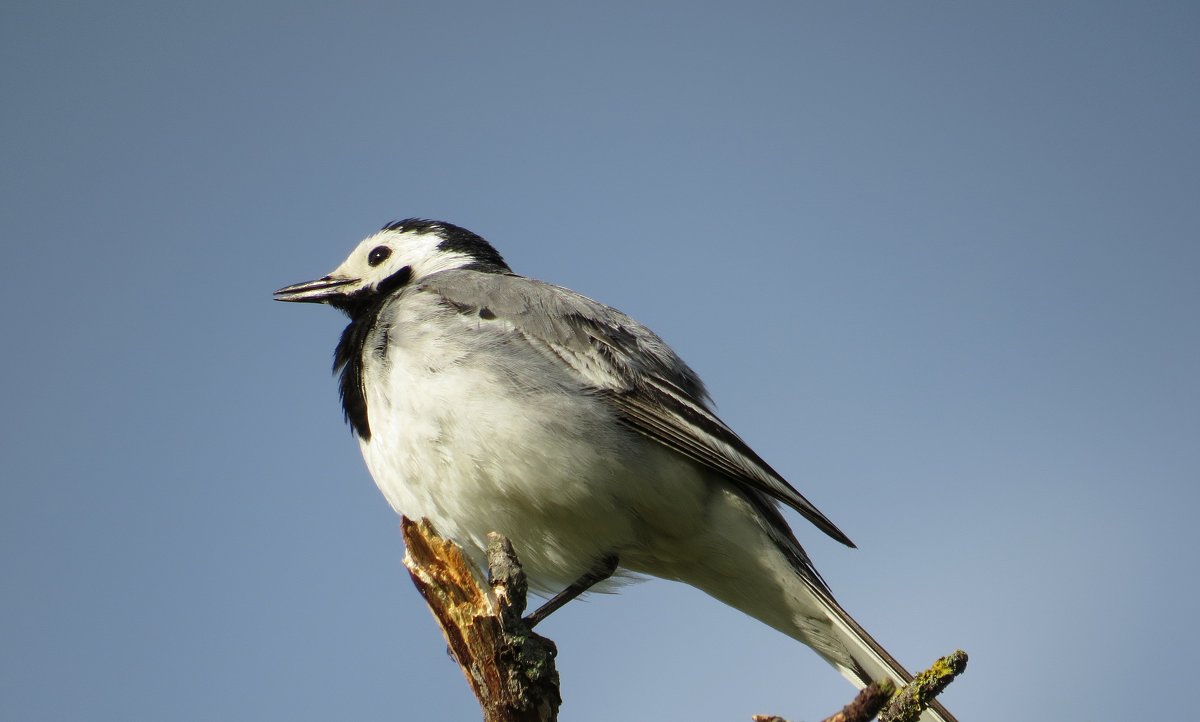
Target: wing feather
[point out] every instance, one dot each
(630, 368)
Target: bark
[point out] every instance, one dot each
(509, 668)
(919, 694)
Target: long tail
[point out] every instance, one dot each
(768, 576)
(745, 555)
(847, 646)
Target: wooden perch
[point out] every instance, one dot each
(918, 694)
(862, 708)
(904, 706)
(866, 705)
(511, 669)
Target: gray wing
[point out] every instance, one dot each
(628, 366)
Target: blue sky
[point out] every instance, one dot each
(937, 263)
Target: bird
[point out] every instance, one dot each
(486, 401)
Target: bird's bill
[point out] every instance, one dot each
(318, 291)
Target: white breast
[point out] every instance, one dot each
(478, 434)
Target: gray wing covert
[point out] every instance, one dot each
(629, 367)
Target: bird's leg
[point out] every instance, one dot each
(603, 570)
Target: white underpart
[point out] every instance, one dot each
(485, 428)
(553, 471)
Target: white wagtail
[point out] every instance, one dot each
(486, 401)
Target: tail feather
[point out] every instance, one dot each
(855, 653)
(762, 570)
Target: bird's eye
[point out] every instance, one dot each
(379, 254)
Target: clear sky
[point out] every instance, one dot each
(937, 262)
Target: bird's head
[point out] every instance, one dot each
(401, 253)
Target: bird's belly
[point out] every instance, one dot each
(554, 472)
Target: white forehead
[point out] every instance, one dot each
(416, 249)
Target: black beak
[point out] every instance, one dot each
(321, 290)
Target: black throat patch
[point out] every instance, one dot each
(363, 308)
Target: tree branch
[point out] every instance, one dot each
(866, 705)
(903, 706)
(862, 708)
(509, 668)
(918, 695)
